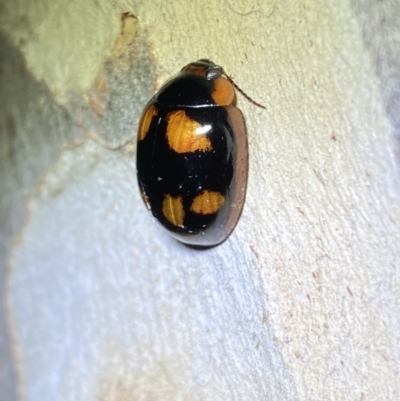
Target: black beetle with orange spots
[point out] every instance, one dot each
(192, 157)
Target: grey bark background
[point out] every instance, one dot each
(301, 303)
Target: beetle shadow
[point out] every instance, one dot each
(202, 247)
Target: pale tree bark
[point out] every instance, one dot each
(300, 303)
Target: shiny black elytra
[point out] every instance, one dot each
(192, 157)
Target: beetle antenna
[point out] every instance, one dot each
(242, 91)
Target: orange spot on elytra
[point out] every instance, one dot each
(172, 209)
(187, 135)
(208, 202)
(224, 92)
(145, 121)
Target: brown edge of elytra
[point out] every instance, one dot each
(241, 167)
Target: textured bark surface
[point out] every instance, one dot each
(301, 303)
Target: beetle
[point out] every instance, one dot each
(192, 155)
